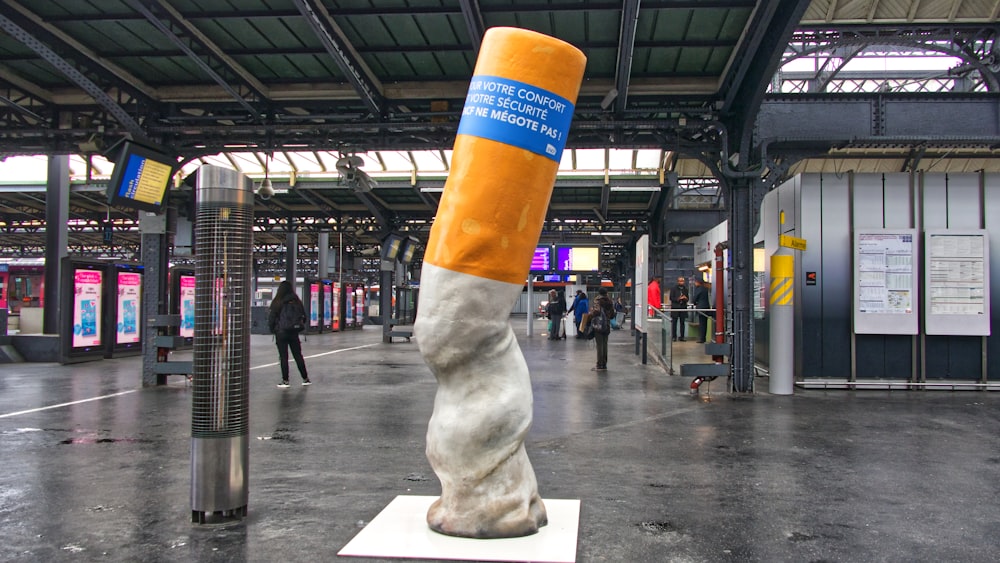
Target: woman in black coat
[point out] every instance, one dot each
(287, 337)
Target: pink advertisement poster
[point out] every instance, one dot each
(129, 312)
(87, 308)
(359, 304)
(336, 306)
(327, 311)
(187, 307)
(314, 304)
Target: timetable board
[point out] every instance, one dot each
(886, 281)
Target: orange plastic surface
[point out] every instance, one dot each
(496, 196)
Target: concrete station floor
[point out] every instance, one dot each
(104, 475)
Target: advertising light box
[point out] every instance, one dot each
(129, 312)
(314, 305)
(186, 300)
(87, 287)
(327, 305)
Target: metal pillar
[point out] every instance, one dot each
(385, 299)
(781, 321)
(153, 251)
(323, 247)
(741, 256)
(531, 305)
(292, 258)
(220, 418)
(56, 238)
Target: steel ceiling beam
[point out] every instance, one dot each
(344, 55)
(626, 47)
(71, 72)
(756, 62)
(68, 47)
(881, 120)
(473, 22)
(212, 61)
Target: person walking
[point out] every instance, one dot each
(286, 318)
(678, 304)
(602, 327)
(700, 299)
(580, 306)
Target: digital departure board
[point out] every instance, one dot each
(141, 178)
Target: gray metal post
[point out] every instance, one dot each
(385, 299)
(56, 238)
(741, 256)
(153, 228)
(292, 259)
(781, 321)
(323, 248)
(220, 418)
(531, 316)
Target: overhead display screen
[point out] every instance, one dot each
(542, 260)
(87, 286)
(129, 290)
(578, 258)
(140, 179)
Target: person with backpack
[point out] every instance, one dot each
(286, 318)
(600, 321)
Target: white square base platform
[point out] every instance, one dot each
(401, 531)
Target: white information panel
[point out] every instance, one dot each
(885, 281)
(640, 282)
(956, 282)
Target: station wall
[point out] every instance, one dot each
(825, 210)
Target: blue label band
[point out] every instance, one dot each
(518, 114)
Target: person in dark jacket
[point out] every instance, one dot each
(286, 338)
(603, 302)
(678, 302)
(700, 299)
(555, 311)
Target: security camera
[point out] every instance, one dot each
(265, 191)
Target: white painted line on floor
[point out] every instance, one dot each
(10, 414)
(67, 404)
(319, 355)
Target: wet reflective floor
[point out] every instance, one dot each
(96, 468)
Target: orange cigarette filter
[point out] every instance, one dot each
(506, 155)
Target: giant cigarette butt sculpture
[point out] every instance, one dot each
(510, 139)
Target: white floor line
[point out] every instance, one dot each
(10, 414)
(319, 355)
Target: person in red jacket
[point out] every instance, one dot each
(655, 296)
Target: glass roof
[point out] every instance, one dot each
(322, 164)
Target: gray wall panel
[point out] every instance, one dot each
(809, 299)
(897, 350)
(868, 201)
(836, 278)
(899, 199)
(964, 210)
(991, 211)
(951, 202)
(934, 194)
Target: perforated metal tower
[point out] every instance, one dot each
(223, 283)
